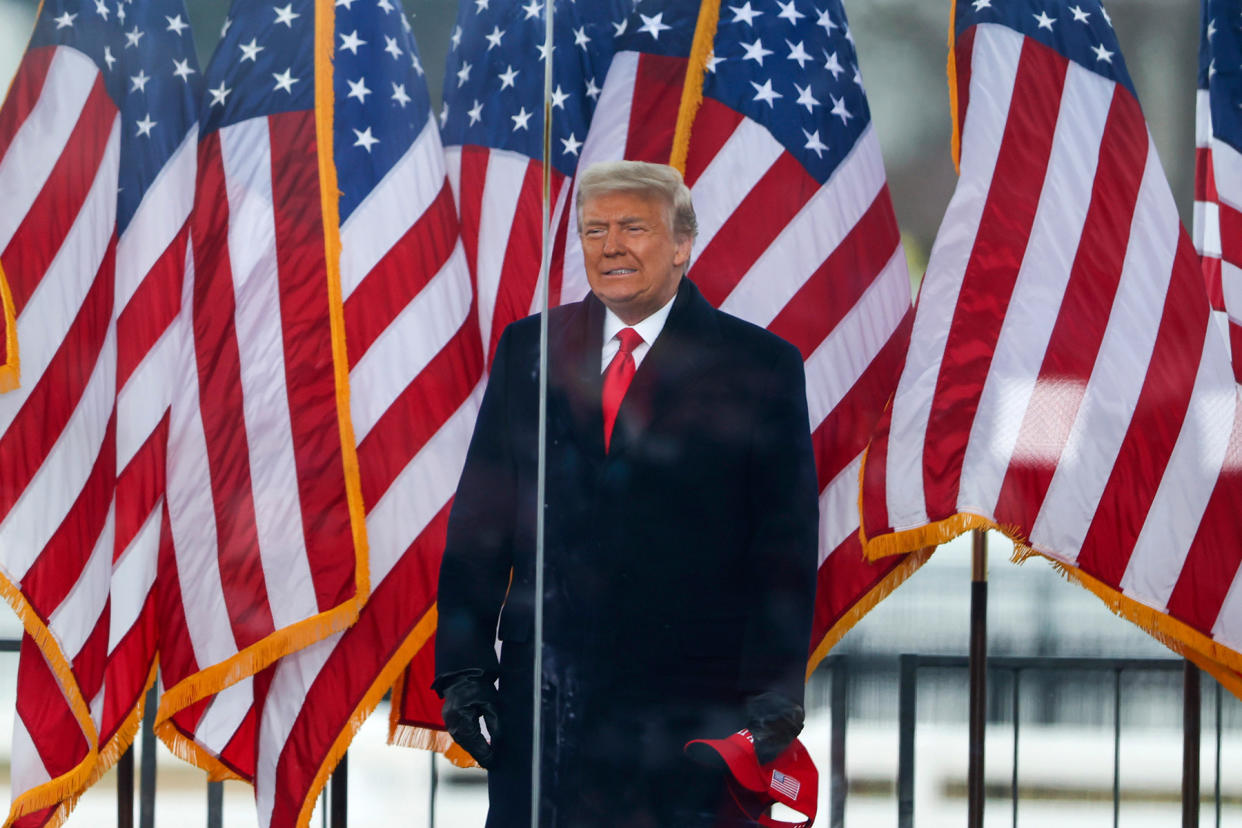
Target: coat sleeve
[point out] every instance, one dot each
(784, 504)
(478, 553)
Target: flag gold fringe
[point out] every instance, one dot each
(249, 661)
(11, 368)
(192, 753)
(329, 195)
(1222, 662)
(72, 783)
(919, 538)
(955, 145)
(391, 671)
(933, 534)
(692, 89)
(426, 738)
(867, 603)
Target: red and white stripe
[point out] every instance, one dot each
(1064, 380)
(263, 554)
(1218, 225)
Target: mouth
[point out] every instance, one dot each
(620, 271)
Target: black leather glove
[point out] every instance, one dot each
(467, 698)
(774, 721)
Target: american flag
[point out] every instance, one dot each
(416, 360)
(97, 145)
(1065, 382)
(1218, 167)
(785, 784)
(263, 490)
(797, 230)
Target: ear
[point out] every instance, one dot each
(681, 253)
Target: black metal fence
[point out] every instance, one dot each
(910, 665)
(832, 685)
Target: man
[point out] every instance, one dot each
(680, 535)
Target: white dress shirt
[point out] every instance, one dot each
(648, 329)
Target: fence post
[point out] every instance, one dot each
(978, 678)
(146, 807)
(338, 799)
(1116, 747)
(907, 706)
(435, 790)
(1219, 699)
(215, 805)
(1192, 700)
(125, 789)
(840, 715)
(1017, 688)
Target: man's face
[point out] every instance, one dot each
(634, 261)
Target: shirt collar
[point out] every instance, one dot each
(648, 328)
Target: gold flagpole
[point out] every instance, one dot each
(692, 89)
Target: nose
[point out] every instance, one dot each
(613, 242)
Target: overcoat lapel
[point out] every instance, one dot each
(575, 375)
(682, 352)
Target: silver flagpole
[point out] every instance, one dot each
(541, 476)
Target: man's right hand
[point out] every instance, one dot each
(466, 700)
(774, 722)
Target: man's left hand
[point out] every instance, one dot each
(466, 700)
(774, 721)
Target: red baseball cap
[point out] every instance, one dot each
(790, 779)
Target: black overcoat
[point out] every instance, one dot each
(679, 566)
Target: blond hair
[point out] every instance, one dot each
(645, 178)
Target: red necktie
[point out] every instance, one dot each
(617, 379)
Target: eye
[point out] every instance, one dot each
(594, 233)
